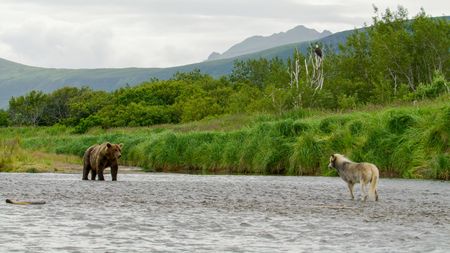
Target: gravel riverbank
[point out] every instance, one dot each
(150, 212)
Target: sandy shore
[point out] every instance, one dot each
(150, 212)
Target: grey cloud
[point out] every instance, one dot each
(158, 33)
(54, 46)
(281, 9)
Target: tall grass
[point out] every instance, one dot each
(13, 158)
(408, 142)
(9, 153)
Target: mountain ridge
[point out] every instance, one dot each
(258, 43)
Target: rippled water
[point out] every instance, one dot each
(191, 213)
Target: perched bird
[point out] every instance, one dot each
(318, 51)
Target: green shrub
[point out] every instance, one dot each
(307, 155)
(4, 118)
(356, 127)
(441, 167)
(399, 122)
(436, 88)
(331, 124)
(347, 102)
(438, 136)
(290, 128)
(87, 123)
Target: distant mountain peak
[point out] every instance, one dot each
(328, 33)
(257, 43)
(214, 56)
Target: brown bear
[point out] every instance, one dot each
(100, 156)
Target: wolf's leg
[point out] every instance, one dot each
(376, 195)
(363, 190)
(350, 187)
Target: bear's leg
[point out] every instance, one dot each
(86, 169)
(114, 169)
(93, 174)
(86, 163)
(100, 175)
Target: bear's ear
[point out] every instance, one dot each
(332, 158)
(121, 145)
(108, 144)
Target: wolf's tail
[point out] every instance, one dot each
(373, 184)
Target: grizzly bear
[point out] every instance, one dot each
(101, 156)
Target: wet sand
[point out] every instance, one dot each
(150, 212)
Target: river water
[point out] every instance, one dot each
(150, 212)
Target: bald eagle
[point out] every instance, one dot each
(318, 51)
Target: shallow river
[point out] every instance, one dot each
(191, 213)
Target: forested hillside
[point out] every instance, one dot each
(17, 79)
(394, 59)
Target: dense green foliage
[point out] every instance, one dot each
(400, 141)
(395, 59)
(4, 118)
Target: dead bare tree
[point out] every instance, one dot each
(316, 79)
(294, 82)
(294, 70)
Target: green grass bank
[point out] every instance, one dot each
(404, 141)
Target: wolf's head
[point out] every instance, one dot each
(332, 164)
(336, 159)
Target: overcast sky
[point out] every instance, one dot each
(163, 33)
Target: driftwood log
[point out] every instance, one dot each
(25, 202)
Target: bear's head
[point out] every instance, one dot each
(114, 150)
